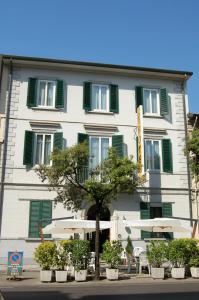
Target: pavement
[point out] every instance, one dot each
(133, 287)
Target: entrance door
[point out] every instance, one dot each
(104, 234)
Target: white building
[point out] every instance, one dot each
(55, 103)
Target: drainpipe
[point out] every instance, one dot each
(3, 167)
(187, 154)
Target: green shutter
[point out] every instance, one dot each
(32, 92)
(139, 96)
(167, 156)
(28, 148)
(59, 100)
(83, 172)
(117, 143)
(145, 214)
(114, 98)
(58, 141)
(39, 211)
(82, 137)
(46, 215)
(34, 219)
(164, 107)
(167, 213)
(87, 96)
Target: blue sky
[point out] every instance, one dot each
(149, 33)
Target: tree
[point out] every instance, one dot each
(193, 148)
(74, 182)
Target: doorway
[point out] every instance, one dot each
(104, 234)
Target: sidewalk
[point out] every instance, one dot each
(31, 279)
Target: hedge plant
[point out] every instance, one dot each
(44, 255)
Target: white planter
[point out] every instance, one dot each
(178, 273)
(61, 276)
(195, 272)
(112, 274)
(80, 275)
(157, 273)
(46, 275)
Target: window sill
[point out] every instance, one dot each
(153, 116)
(38, 239)
(100, 112)
(46, 108)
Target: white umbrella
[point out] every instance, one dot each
(158, 225)
(74, 226)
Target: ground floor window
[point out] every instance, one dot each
(40, 216)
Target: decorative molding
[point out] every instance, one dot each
(100, 129)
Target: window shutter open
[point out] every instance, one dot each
(164, 107)
(167, 213)
(145, 214)
(28, 148)
(87, 96)
(167, 156)
(117, 143)
(83, 172)
(32, 92)
(59, 99)
(139, 96)
(58, 141)
(114, 98)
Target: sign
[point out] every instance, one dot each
(15, 264)
(140, 141)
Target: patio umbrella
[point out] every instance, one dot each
(74, 226)
(158, 225)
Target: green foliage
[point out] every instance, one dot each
(193, 148)
(112, 253)
(129, 246)
(194, 261)
(61, 254)
(114, 175)
(180, 251)
(44, 255)
(80, 255)
(156, 253)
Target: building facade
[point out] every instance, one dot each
(49, 104)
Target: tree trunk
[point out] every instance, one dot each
(97, 263)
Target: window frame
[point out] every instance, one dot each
(100, 102)
(160, 154)
(100, 148)
(158, 102)
(43, 147)
(46, 89)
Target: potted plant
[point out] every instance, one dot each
(43, 255)
(177, 257)
(80, 257)
(61, 260)
(156, 254)
(194, 266)
(129, 253)
(112, 256)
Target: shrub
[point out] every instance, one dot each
(129, 247)
(156, 253)
(194, 261)
(61, 254)
(44, 255)
(112, 253)
(80, 255)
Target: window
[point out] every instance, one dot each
(151, 101)
(100, 97)
(46, 93)
(152, 155)
(43, 148)
(40, 216)
(99, 147)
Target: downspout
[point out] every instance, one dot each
(187, 154)
(3, 167)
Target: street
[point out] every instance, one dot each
(113, 291)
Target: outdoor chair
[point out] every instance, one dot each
(143, 262)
